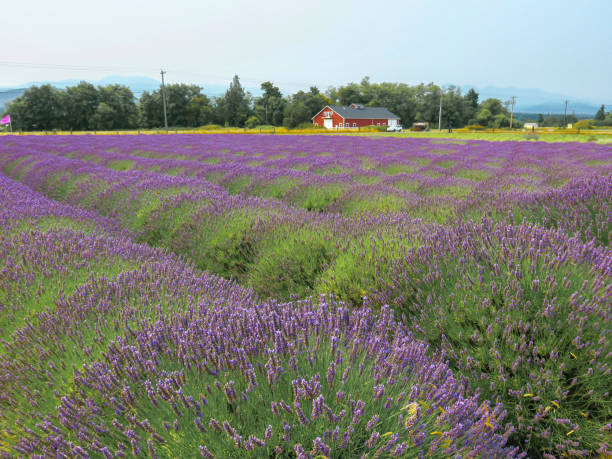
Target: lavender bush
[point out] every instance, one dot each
(494, 258)
(158, 360)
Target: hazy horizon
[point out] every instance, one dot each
(551, 46)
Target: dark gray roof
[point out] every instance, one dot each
(363, 113)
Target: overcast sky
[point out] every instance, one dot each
(560, 46)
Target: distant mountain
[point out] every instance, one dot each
(579, 108)
(6, 95)
(532, 100)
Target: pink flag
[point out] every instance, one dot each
(6, 120)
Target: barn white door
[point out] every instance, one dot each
(328, 123)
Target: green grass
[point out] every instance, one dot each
(277, 188)
(410, 185)
(332, 170)
(121, 164)
(237, 185)
(290, 264)
(362, 266)
(367, 179)
(44, 290)
(475, 175)
(455, 191)
(373, 204)
(395, 169)
(318, 198)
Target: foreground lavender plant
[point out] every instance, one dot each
(524, 314)
(311, 378)
(163, 360)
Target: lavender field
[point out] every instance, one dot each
(304, 296)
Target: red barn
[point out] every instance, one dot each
(354, 116)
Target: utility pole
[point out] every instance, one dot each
(565, 115)
(512, 101)
(163, 88)
(440, 113)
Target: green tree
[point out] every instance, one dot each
(186, 107)
(252, 122)
(350, 94)
(492, 113)
(80, 103)
(150, 110)
(296, 114)
(270, 107)
(484, 117)
(234, 107)
(455, 108)
(472, 97)
(601, 113)
(302, 106)
(119, 110)
(39, 108)
(104, 117)
(471, 105)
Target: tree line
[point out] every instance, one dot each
(87, 107)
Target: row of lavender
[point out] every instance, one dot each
(422, 178)
(278, 249)
(521, 312)
(116, 349)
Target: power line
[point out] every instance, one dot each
(18, 64)
(440, 113)
(69, 66)
(163, 87)
(512, 102)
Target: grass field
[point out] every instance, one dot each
(305, 295)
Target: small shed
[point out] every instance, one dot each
(421, 126)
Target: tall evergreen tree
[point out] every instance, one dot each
(235, 105)
(601, 113)
(472, 97)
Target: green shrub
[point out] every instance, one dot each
(308, 125)
(290, 265)
(225, 245)
(251, 122)
(583, 124)
(318, 198)
(362, 266)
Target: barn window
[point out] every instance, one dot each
(340, 125)
(354, 124)
(378, 124)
